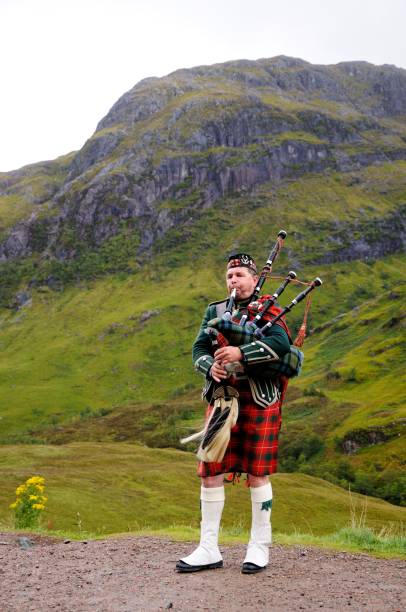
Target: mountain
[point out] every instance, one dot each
(172, 147)
(109, 255)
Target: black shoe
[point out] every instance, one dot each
(181, 566)
(251, 568)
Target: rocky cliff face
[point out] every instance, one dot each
(171, 147)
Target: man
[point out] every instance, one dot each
(254, 439)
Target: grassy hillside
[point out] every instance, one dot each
(106, 345)
(97, 377)
(28, 189)
(347, 424)
(119, 247)
(109, 488)
(102, 357)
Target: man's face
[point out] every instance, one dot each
(242, 280)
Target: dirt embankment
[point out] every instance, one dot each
(132, 574)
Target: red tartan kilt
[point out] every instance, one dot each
(253, 446)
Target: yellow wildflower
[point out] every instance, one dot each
(29, 498)
(36, 480)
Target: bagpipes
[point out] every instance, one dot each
(223, 331)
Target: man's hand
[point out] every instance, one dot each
(228, 354)
(217, 372)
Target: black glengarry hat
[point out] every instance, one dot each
(241, 260)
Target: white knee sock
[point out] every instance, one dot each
(212, 503)
(261, 532)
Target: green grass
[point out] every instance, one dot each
(81, 366)
(98, 364)
(337, 363)
(80, 361)
(13, 208)
(114, 488)
(90, 362)
(347, 539)
(24, 190)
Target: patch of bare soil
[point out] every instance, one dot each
(131, 574)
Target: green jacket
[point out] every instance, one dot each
(256, 355)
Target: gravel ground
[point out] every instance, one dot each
(130, 574)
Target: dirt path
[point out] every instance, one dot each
(129, 574)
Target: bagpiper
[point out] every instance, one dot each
(243, 371)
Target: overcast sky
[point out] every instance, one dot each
(65, 62)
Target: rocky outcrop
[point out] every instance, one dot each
(357, 439)
(198, 135)
(366, 239)
(93, 151)
(97, 210)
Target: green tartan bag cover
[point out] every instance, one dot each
(290, 365)
(235, 334)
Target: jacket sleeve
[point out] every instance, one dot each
(271, 348)
(202, 347)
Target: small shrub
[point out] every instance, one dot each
(362, 537)
(85, 412)
(312, 445)
(101, 412)
(149, 422)
(333, 375)
(313, 391)
(365, 483)
(345, 471)
(351, 376)
(30, 502)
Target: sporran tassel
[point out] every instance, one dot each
(218, 429)
(196, 436)
(215, 436)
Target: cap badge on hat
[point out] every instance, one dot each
(236, 260)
